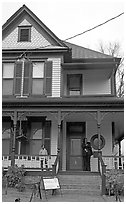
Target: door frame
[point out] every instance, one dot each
(74, 133)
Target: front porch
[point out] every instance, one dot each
(61, 126)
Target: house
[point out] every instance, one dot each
(57, 94)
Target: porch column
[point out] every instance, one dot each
(98, 127)
(59, 131)
(59, 138)
(13, 139)
(98, 132)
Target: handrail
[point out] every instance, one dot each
(56, 165)
(102, 173)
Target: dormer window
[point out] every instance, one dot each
(24, 33)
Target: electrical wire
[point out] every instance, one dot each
(94, 27)
(27, 50)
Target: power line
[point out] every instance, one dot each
(94, 27)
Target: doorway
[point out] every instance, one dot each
(75, 136)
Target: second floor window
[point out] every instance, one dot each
(25, 78)
(74, 84)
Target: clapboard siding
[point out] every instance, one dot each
(37, 40)
(56, 75)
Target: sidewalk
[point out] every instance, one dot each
(12, 194)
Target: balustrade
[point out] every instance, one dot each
(30, 161)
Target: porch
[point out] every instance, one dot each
(61, 126)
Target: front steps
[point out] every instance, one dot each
(87, 183)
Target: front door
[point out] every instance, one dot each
(75, 135)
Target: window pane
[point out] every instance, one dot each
(7, 87)
(37, 86)
(74, 93)
(37, 130)
(24, 34)
(6, 130)
(74, 82)
(8, 70)
(38, 70)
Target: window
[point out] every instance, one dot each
(24, 34)
(38, 78)
(6, 138)
(74, 84)
(8, 78)
(41, 133)
(25, 78)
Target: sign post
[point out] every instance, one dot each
(51, 183)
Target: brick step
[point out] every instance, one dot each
(81, 191)
(90, 173)
(78, 179)
(81, 186)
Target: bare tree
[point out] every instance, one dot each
(114, 49)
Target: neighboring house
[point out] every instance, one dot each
(55, 93)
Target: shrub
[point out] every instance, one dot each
(15, 177)
(114, 181)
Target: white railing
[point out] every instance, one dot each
(29, 161)
(113, 162)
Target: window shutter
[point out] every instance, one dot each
(48, 78)
(27, 72)
(18, 75)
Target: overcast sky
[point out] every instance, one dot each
(66, 18)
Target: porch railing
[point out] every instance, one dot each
(108, 163)
(30, 161)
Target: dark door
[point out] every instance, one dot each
(75, 135)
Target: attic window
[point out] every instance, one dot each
(24, 34)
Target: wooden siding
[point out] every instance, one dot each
(37, 40)
(56, 76)
(96, 86)
(93, 82)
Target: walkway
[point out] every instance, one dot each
(12, 194)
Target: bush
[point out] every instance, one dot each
(114, 181)
(15, 177)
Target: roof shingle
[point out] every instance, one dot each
(79, 52)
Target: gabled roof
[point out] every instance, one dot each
(25, 10)
(79, 52)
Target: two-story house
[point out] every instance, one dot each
(57, 94)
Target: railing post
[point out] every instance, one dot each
(103, 179)
(13, 141)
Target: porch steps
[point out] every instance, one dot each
(88, 183)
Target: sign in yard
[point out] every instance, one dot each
(51, 183)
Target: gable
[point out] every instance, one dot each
(37, 39)
(41, 35)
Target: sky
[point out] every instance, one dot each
(66, 18)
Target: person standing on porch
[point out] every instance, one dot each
(44, 154)
(86, 154)
(89, 154)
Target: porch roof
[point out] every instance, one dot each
(106, 101)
